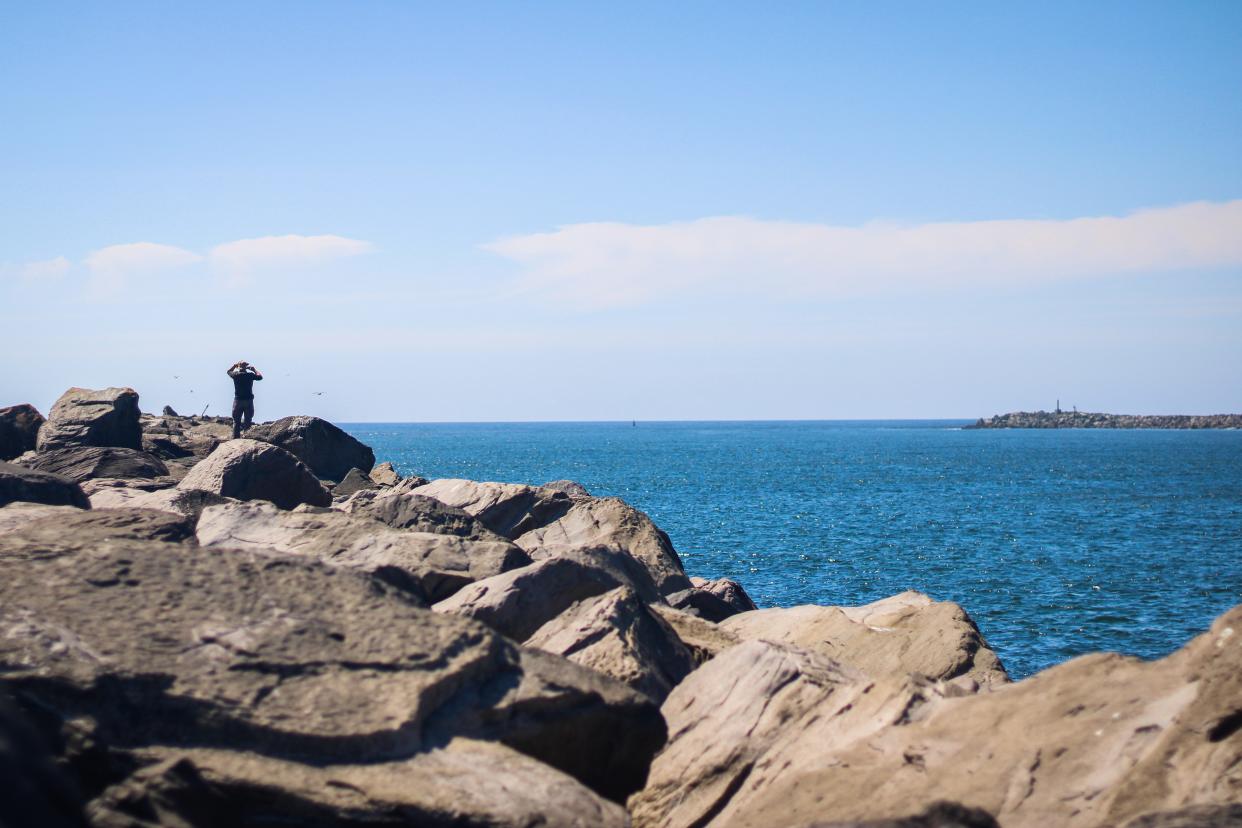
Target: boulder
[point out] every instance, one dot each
(428, 565)
(703, 638)
(418, 513)
(618, 635)
(81, 463)
(187, 502)
(18, 513)
(519, 602)
(19, 430)
(18, 483)
(727, 590)
(327, 450)
(465, 783)
(82, 529)
(702, 603)
(573, 489)
(906, 633)
(354, 481)
(169, 412)
(86, 417)
(766, 734)
(508, 509)
(608, 521)
(385, 475)
(173, 438)
(252, 470)
(175, 646)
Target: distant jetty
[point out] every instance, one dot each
(1087, 419)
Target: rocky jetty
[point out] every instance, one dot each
(1087, 419)
(200, 631)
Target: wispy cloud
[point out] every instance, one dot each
(47, 270)
(112, 268)
(283, 251)
(613, 264)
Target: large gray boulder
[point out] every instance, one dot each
(519, 602)
(82, 463)
(327, 450)
(767, 734)
(618, 635)
(252, 470)
(88, 417)
(906, 633)
(465, 783)
(609, 521)
(418, 513)
(433, 566)
(19, 430)
(177, 647)
(508, 509)
(727, 590)
(18, 483)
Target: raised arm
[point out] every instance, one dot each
(257, 375)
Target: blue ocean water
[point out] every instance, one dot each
(1058, 543)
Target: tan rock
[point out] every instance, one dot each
(705, 639)
(519, 602)
(618, 635)
(466, 782)
(176, 646)
(907, 633)
(385, 475)
(768, 735)
(434, 565)
(509, 509)
(252, 470)
(610, 521)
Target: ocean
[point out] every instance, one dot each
(1058, 543)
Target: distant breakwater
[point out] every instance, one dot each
(1088, 419)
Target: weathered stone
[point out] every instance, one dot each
(82, 529)
(702, 603)
(354, 481)
(906, 633)
(86, 417)
(519, 602)
(252, 470)
(508, 509)
(33, 791)
(429, 565)
(385, 475)
(768, 735)
(81, 463)
(618, 635)
(418, 513)
(569, 487)
(291, 659)
(608, 521)
(1195, 816)
(137, 485)
(705, 639)
(327, 450)
(18, 483)
(464, 783)
(727, 590)
(169, 412)
(18, 513)
(187, 502)
(19, 430)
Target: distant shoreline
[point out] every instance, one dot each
(1087, 419)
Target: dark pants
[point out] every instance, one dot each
(243, 415)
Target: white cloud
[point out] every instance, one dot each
(610, 264)
(112, 268)
(284, 251)
(47, 270)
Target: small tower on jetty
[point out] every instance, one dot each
(1058, 405)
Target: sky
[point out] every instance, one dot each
(587, 211)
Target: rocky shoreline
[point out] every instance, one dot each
(1086, 419)
(275, 630)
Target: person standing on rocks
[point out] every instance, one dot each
(244, 374)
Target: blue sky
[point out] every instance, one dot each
(580, 211)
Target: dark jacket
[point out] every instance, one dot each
(243, 382)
